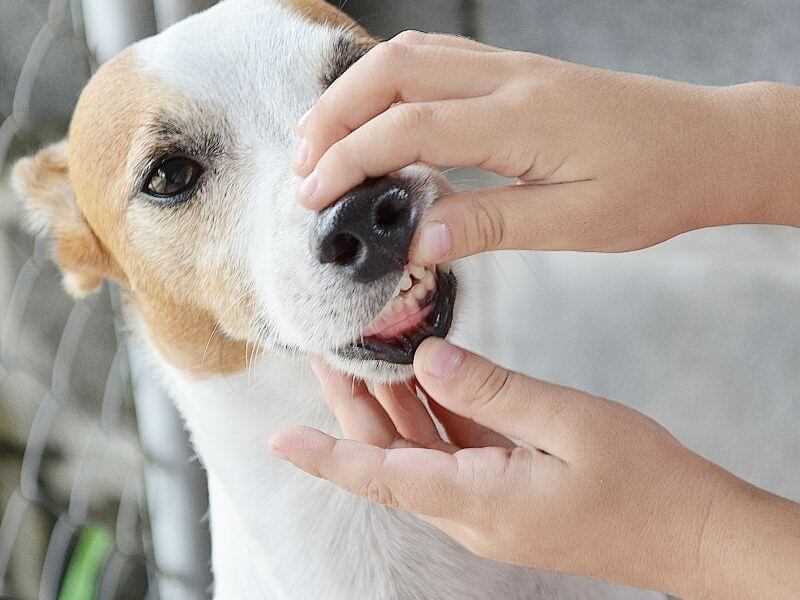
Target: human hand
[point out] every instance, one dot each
(608, 161)
(588, 487)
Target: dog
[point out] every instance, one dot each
(175, 183)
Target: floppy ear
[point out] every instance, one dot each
(43, 181)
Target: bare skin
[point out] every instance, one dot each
(590, 487)
(606, 162)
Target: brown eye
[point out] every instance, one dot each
(173, 177)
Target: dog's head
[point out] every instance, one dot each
(176, 182)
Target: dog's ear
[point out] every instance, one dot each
(43, 181)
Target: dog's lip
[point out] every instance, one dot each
(401, 350)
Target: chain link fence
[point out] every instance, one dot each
(99, 495)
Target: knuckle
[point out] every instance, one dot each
(413, 117)
(488, 226)
(339, 157)
(475, 542)
(410, 37)
(491, 387)
(391, 53)
(379, 493)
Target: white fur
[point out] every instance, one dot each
(278, 533)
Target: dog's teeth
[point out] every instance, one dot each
(419, 291)
(417, 271)
(429, 281)
(405, 282)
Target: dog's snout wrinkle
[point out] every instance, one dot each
(368, 232)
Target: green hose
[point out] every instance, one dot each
(86, 564)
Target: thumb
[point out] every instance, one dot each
(519, 217)
(460, 225)
(504, 401)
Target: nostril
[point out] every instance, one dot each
(343, 250)
(368, 232)
(392, 210)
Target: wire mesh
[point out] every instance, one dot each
(79, 467)
(73, 509)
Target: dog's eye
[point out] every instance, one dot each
(172, 177)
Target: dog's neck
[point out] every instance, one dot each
(278, 533)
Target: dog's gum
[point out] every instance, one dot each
(417, 271)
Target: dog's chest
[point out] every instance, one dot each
(278, 533)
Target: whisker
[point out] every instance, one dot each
(216, 327)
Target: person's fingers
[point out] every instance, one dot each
(359, 414)
(443, 39)
(409, 415)
(408, 68)
(426, 39)
(394, 72)
(519, 217)
(456, 133)
(421, 38)
(534, 412)
(412, 479)
(466, 433)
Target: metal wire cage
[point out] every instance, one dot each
(99, 495)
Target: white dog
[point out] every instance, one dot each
(176, 183)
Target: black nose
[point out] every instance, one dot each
(368, 232)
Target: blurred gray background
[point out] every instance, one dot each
(701, 333)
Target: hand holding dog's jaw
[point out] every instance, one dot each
(617, 151)
(593, 488)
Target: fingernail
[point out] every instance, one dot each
(301, 124)
(434, 242)
(444, 361)
(308, 188)
(277, 451)
(301, 157)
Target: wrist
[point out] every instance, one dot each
(725, 493)
(749, 547)
(755, 136)
(679, 545)
(699, 517)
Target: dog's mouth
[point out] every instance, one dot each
(421, 308)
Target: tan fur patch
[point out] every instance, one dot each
(319, 11)
(186, 320)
